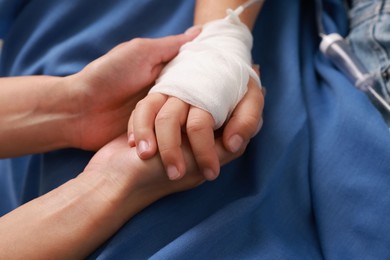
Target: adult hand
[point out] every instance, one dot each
(115, 185)
(109, 87)
(122, 164)
(138, 183)
(77, 217)
(85, 110)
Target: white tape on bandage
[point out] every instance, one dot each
(212, 72)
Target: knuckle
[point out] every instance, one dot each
(257, 92)
(168, 152)
(251, 122)
(141, 105)
(248, 124)
(137, 42)
(120, 46)
(162, 117)
(140, 44)
(195, 125)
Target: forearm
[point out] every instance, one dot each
(52, 226)
(207, 10)
(69, 222)
(35, 114)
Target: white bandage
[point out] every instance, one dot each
(212, 71)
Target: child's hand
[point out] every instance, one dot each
(158, 122)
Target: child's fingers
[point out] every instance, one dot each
(246, 119)
(200, 133)
(143, 124)
(169, 121)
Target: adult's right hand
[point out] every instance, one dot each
(115, 185)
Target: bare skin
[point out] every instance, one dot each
(159, 120)
(69, 222)
(85, 110)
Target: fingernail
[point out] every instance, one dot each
(193, 30)
(142, 147)
(235, 143)
(209, 174)
(131, 139)
(173, 172)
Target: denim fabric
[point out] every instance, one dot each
(370, 39)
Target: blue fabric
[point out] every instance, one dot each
(370, 40)
(8, 12)
(313, 184)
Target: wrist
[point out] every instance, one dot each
(127, 180)
(72, 111)
(38, 117)
(77, 98)
(73, 220)
(91, 207)
(207, 10)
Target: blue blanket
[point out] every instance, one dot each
(315, 183)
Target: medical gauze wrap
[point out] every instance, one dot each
(212, 71)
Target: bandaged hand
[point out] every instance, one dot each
(212, 71)
(162, 123)
(196, 92)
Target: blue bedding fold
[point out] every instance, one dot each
(313, 184)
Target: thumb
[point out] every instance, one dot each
(166, 48)
(246, 119)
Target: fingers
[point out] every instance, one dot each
(157, 123)
(168, 125)
(141, 125)
(246, 119)
(200, 133)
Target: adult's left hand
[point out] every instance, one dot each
(108, 89)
